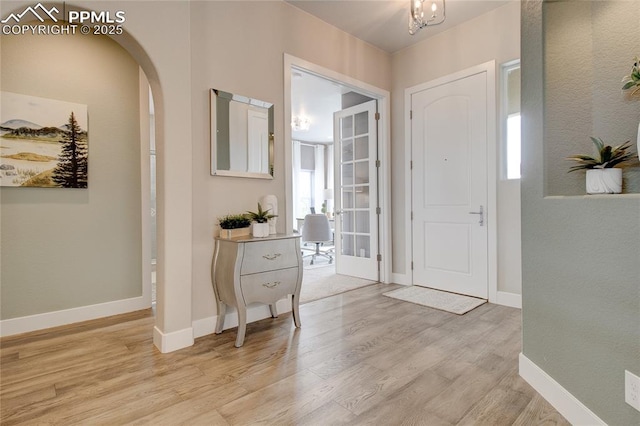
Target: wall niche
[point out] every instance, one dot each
(589, 47)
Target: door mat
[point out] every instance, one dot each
(442, 300)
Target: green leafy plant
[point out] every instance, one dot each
(234, 221)
(260, 216)
(608, 156)
(633, 80)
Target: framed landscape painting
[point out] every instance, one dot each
(43, 142)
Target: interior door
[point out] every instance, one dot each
(449, 186)
(356, 189)
(257, 141)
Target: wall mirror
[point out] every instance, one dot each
(241, 136)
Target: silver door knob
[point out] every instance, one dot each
(481, 213)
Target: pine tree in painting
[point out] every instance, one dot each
(72, 168)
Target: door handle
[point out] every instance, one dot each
(338, 212)
(481, 213)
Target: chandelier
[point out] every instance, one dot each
(300, 124)
(419, 19)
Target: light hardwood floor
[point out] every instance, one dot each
(360, 358)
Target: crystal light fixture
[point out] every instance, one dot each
(300, 124)
(418, 19)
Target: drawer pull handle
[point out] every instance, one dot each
(271, 285)
(272, 256)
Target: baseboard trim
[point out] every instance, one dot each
(403, 279)
(10, 327)
(563, 401)
(206, 326)
(169, 342)
(512, 300)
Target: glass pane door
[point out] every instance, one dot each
(356, 186)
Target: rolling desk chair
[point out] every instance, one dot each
(316, 230)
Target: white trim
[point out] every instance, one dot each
(384, 188)
(492, 179)
(29, 323)
(384, 148)
(404, 279)
(145, 184)
(504, 84)
(492, 182)
(206, 326)
(408, 183)
(169, 342)
(563, 401)
(512, 300)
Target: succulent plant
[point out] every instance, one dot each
(608, 156)
(261, 216)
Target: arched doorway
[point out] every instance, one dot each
(87, 303)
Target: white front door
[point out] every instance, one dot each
(449, 186)
(356, 190)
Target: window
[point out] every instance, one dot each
(309, 171)
(513, 146)
(510, 122)
(306, 198)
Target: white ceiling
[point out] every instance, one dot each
(384, 23)
(315, 99)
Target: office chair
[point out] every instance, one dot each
(316, 230)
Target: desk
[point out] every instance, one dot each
(249, 270)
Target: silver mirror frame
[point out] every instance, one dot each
(215, 170)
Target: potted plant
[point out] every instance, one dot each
(260, 220)
(632, 81)
(234, 225)
(602, 175)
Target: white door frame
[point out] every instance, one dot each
(492, 177)
(384, 148)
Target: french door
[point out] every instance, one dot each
(356, 189)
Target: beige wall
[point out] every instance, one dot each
(65, 248)
(492, 36)
(186, 48)
(249, 61)
(158, 39)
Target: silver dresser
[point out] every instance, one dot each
(249, 270)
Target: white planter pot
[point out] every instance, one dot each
(604, 181)
(260, 230)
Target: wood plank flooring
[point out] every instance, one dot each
(360, 358)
